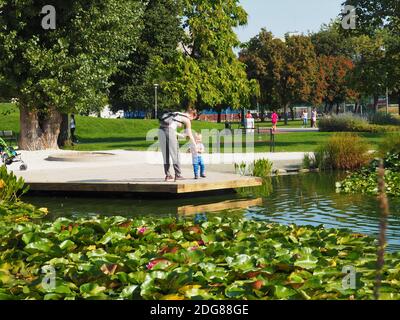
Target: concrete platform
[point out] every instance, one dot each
(119, 172)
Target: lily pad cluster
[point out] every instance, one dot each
(366, 180)
(219, 257)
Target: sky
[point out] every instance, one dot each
(282, 16)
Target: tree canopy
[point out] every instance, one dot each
(162, 32)
(66, 69)
(286, 70)
(207, 72)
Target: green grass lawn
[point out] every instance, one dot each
(111, 134)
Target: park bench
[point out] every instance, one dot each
(9, 136)
(272, 133)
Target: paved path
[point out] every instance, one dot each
(144, 163)
(119, 171)
(130, 171)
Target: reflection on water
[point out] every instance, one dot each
(300, 199)
(312, 200)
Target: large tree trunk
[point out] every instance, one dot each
(285, 111)
(356, 107)
(64, 134)
(376, 100)
(330, 107)
(39, 132)
(398, 100)
(262, 116)
(292, 113)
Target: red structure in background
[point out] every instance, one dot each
(228, 115)
(224, 117)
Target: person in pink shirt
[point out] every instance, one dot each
(274, 119)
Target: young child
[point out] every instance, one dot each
(198, 162)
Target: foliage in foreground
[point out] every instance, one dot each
(11, 187)
(169, 258)
(366, 180)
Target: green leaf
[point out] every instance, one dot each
(307, 262)
(67, 244)
(43, 245)
(127, 292)
(282, 292)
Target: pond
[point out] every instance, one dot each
(308, 199)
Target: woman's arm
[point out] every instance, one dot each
(189, 134)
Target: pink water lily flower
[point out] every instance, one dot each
(151, 265)
(142, 230)
(154, 262)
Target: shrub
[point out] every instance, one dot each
(310, 161)
(349, 122)
(346, 122)
(244, 168)
(11, 188)
(390, 144)
(343, 151)
(383, 119)
(262, 168)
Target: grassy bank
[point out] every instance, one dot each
(110, 134)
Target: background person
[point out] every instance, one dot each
(314, 114)
(168, 138)
(72, 129)
(274, 119)
(305, 118)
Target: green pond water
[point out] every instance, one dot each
(300, 199)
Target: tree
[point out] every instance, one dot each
(392, 53)
(330, 41)
(370, 75)
(66, 69)
(134, 84)
(372, 17)
(263, 58)
(375, 14)
(286, 70)
(298, 74)
(333, 81)
(207, 72)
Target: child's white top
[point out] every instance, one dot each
(197, 149)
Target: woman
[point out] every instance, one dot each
(274, 119)
(305, 118)
(168, 137)
(314, 118)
